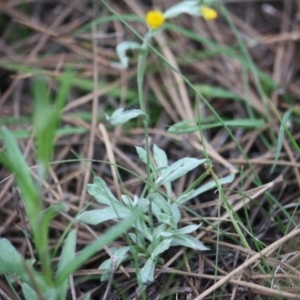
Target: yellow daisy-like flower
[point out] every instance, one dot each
(155, 19)
(208, 13)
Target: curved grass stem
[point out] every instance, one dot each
(142, 58)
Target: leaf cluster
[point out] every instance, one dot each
(158, 227)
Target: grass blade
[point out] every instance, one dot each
(94, 247)
(286, 117)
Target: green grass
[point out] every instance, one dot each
(50, 279)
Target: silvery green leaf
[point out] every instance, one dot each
(178, 169)
(51, 293)
(105, 265)
(187, 241)
(147, 272)
(10, 259)
(176, 216)
(137, 239)
(133, 237)
(188, 229)
(156, 210)
(87, 297)
(160, 169)
(161, 202)
(123, 115)
(143, 203)
(120, 255)
(142, 154)
(29, 293)
(100, 191)
(31, 261)
(127, 200)
(66, 257)
(97, 216)
(121, 210)
(143, 229)
(185, 197)
(160, 156)
(121, 51)
(285, 123)
(157, 230)
(68, 251)
(161, 160)
(184, 7)
(167, 220)
(168, 188)
(135, 200)
(166, 233)
(205, 187)
(161, 248)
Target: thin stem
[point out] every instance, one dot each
(142, 58)
(196, 182)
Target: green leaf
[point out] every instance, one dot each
(166, 234)
(47, 116)
(161, 160)
(138, 240)
(157, 230)
(161, 248)
(285, 119)
(207, 186)
(160, 156)
(156, 210)
(87, 297)
(147, 272)
(11, 260)
(16, 163)
(178, 169)
(187, 241)
(190, 126)
(161, 202)
(143, 203)
(128, 201)
(98, 216)
(123, 115)
(120, 255)
(216, 92)
(101, 192)
(175, 214)
(143, 157)
(188, 229)
(190, 7)
(66, 257)
(143, 229)
(121, 50)
(142, 154)
(29, 293)
(95, 246)
(167, 219)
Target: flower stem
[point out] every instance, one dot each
(142, 58)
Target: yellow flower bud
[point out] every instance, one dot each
(155, 19)
(208, 13)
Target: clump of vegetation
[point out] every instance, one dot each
(155, 232)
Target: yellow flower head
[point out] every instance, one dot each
(155, 19)
(208, 13)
